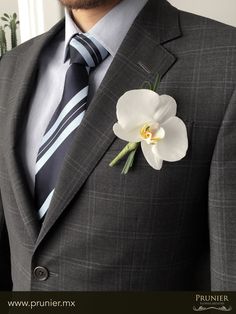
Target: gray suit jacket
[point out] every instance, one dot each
(173, 229)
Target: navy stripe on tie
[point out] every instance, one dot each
(54, 162)
(80, 54)
(77, 99)
(78, 109)
(59, 141)
(74, 74)
(92, 49)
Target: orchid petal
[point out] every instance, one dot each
(175, 143)
(160, 133)
(128, 136)
(167, 108)
(136, 107)
(151, 156)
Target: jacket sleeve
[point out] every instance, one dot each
(5, 268)
(5, 262)
(222, 204)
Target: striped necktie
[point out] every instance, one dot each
(85, 54)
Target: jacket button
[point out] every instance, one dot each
(41, 273)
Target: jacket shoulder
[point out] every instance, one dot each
(25, 48)
(206, 30)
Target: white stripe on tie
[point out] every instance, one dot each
(61, 127)
(68, 130)
(83, 51)
(71, 104)
(45, 205)
(91, 47)
(101, 49)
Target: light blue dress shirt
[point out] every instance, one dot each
(110, 31)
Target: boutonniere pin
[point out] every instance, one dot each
(148, 119)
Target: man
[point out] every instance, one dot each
(172, 229)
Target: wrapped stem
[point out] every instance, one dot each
(129, 162)
(126, 150)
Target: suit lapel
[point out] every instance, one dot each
(141, 57)
(24, 83)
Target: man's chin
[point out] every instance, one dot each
(84, 4)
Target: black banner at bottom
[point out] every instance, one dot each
(117, 303)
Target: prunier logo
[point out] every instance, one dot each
(209, 301)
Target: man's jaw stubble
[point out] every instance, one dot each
(84, 4)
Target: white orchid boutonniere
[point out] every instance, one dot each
(147, 118)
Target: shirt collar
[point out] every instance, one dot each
(111, 30)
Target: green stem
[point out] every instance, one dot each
(126, 150)
(129, 161)
(156, 83)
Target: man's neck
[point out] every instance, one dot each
(87, 18)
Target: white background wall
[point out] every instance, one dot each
(37, 16)
(221, 10)
(8, 5)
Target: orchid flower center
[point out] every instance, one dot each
(152, 133)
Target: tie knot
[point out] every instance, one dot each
(87, 51)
